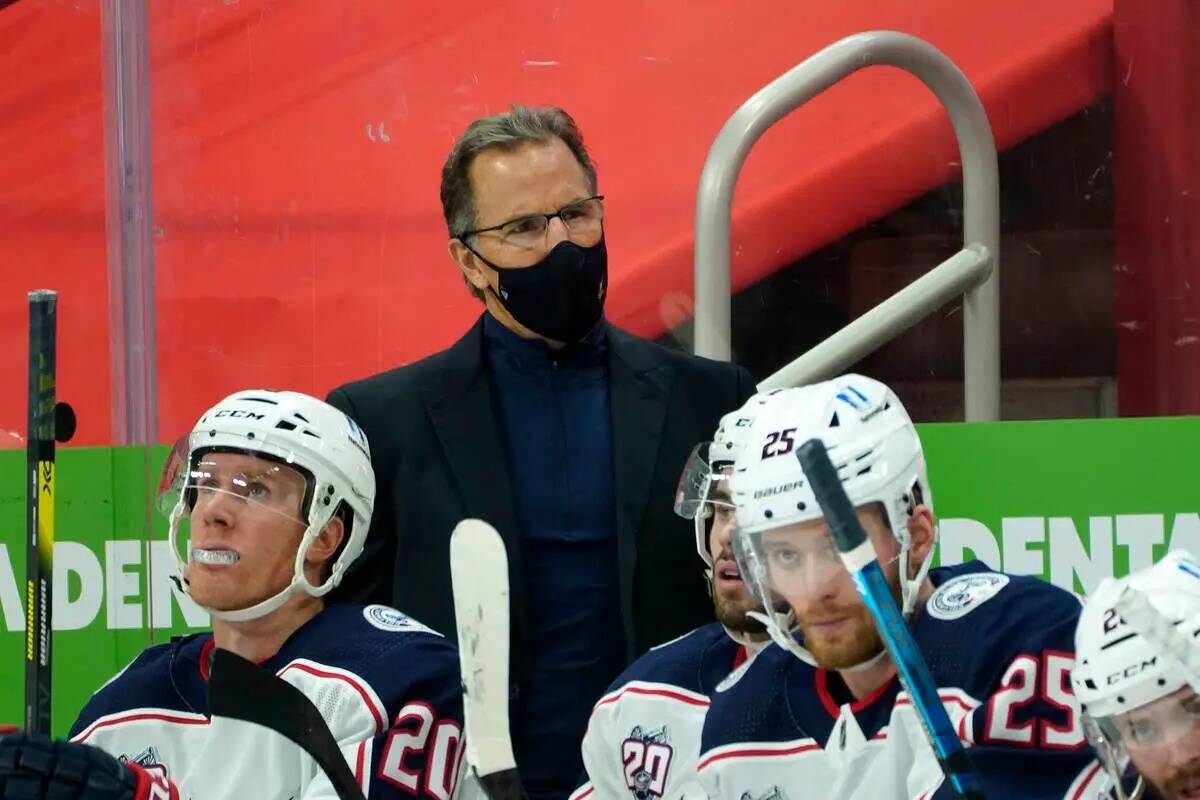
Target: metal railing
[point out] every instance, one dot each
(972, 272)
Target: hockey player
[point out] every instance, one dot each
(821, 713)
(278, 490)
(1138, 675)
(643, 738)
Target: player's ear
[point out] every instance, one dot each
(920, 532)
(473, 270)
(327, 541)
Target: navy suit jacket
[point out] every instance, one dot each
(439, 457)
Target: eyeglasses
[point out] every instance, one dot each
(582, 218)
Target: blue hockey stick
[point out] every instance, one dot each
(859, 557)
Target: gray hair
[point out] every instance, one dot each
(508, 131)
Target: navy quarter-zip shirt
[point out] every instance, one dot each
(554, 414)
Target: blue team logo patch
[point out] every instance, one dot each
(387, 618)
(959, 596)
(647, 758)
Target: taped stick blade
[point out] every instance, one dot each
(479, 570)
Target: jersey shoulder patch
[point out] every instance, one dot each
(963, 594)
(386, 618)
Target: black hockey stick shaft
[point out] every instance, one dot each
(39, 527)
(239, 689)
(858, 554)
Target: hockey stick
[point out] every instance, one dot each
(47, 422)
(858, 554)
(239, 689)
(479, 571)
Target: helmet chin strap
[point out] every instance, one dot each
(910, 590)
(778, 627)
(744, 639)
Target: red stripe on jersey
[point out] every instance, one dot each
(691, 701)
(952, 698)
(204, 653)
(1084, 783)
(739, 657)
(358, 764)
(587, 793)
(962, 728)
(791, 751)
(134, 717)
(831, 705)
(380, 720)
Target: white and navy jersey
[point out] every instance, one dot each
(643, 738)
(387, 687)
(1000, 649)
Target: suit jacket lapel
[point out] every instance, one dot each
(460, 408)
(638, 391)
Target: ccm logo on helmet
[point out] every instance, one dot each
(239, 414)
(1130, 671)
(774, 490)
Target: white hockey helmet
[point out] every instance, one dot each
(1137, 642)
(710, 464)
(875, 448)
(301, 434)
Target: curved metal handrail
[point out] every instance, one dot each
(974, 271)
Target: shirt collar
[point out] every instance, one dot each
(536, 354)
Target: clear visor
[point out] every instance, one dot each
(701, 483)
(793, 560)
(718, 510)
(1163, 723)
(1112, 754)
(236, 482)
(788, 561)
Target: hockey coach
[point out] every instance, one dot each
(563, 431)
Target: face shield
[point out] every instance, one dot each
(250, 482)
(796, 567)
(787, 562)
(695, 483)
(1163, 732)
(703, 495)
(232, 488)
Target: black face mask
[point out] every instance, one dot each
(562, 296)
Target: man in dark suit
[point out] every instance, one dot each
(564, 432)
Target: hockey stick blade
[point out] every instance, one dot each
(479, 571)
(858, 554)
(239, 689)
